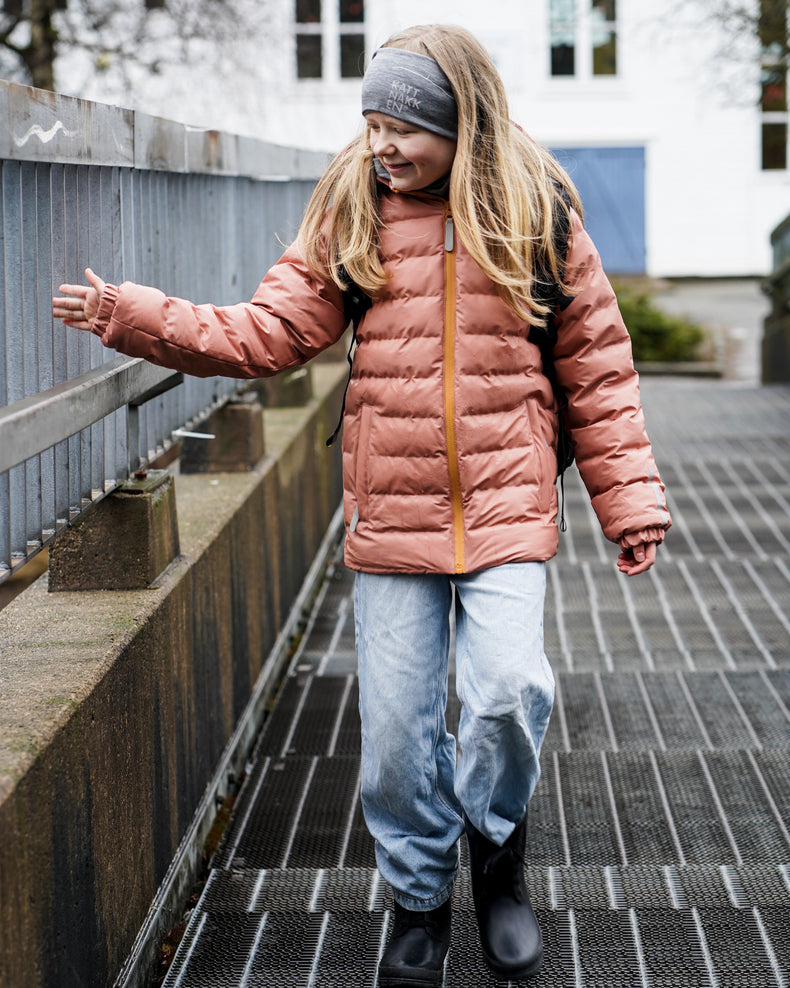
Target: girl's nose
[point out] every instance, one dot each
(380, 143)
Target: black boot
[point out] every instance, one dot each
(415, 954)
(509, 932)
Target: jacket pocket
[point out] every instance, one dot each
(362, 464)
(545, 460)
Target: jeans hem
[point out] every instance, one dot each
(424, 905)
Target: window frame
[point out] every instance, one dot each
(331, 31)
(772, 117)
(580, 24)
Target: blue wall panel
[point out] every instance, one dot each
(611, 182)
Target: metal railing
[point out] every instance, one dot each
(775, 347)
(780, 243)
(199, 214)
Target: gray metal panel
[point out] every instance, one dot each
(86, 185)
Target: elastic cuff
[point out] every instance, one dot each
(103, 316)
(630, 539)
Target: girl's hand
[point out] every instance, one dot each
(637, 559)
(80, 310)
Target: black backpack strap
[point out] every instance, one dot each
(549, 291)
(356, 303)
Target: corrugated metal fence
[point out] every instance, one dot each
(196, 213)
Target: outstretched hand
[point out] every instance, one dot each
(80, 309)
(637, 559)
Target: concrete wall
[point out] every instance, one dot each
(117, 705)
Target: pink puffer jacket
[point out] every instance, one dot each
(449, 429)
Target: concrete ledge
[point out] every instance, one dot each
(116, 706)
(691, 368)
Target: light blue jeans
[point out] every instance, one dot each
(415, 784)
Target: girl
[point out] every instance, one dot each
(444, 212)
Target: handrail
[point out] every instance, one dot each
(34, 424)
(198, 214)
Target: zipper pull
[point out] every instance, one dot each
(449, 234)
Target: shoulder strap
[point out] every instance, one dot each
(356, 303)
(550, 292)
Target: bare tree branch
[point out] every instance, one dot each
(120, 33)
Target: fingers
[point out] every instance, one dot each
(79, 290)
(65, 307)
(71, 307)
(637, 559)
(71, 310)
(77, 324)
(82, 291)
(80, 303)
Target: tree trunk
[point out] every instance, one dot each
(40, 53)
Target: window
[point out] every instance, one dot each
(352, 40)
(772, 29)
(603, 37)
(562, 30)
(330, 39)
(309, 55)
(583, 37)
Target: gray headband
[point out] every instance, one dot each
(410, 87)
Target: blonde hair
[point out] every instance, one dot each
(504, 188)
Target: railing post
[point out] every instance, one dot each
(776, 334)
(124, 543)
(237, 442)
(288, 390)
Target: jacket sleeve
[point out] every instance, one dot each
(292, 317)
(594, 364)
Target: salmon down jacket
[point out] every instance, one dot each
(450, 425)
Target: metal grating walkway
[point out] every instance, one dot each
(659, 841)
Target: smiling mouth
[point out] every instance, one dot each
(395, 168)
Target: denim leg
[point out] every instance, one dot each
(408, 757)
(506, 688)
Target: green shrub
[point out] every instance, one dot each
(655, 335)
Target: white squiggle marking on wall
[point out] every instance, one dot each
(45, 136)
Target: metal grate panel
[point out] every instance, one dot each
(659, 832)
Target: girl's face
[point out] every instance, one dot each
(415, 158)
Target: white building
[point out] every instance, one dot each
(682, 170)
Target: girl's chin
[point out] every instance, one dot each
(402, 182)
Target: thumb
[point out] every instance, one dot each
(95, 281)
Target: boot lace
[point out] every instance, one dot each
(505, 871)
(411, 920)
(509, 854)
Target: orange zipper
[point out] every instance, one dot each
(449, 392)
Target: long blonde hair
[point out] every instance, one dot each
(504, 188)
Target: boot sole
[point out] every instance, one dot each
(399, 982)
(514, 974)
(399, 979)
